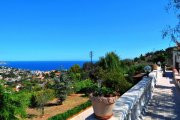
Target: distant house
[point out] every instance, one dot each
(18, 87)
(1, 77)
(40, 78)
(42, 85)
(58, 74)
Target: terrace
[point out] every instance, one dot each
(153, 98)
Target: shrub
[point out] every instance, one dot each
(135, 69)
(116, 81)
(84, 75)
(71, 112)
(84, 86)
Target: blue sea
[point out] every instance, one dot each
(43, 65)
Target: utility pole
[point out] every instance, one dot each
(91, 56)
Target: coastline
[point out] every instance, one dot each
(2, 63)
(42, 65)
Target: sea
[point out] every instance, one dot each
(42, 65)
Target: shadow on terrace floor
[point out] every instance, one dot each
(165, 104)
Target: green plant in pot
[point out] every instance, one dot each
(109, 88)
(103, 100)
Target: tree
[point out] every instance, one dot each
(142, 57)
(136, 59)
(75, 72)
(33, 101)
(52, 74)
(86, 66)
(61, 88)
(159, 58)
(173, 31)
(12, 105)
(42, 97)
(126, 64)
(75, 68)
(111, 61)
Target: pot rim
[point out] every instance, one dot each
(102, 99)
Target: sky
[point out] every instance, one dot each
(55, 30)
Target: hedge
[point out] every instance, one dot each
(71, 112)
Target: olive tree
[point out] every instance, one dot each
(42, 97)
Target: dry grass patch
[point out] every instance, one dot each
(71, 102)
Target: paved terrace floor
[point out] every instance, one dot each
(165, 104)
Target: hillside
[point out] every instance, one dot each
(163, 56)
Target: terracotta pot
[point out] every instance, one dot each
(103, 106)
(155, 67)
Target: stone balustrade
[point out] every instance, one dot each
(132, 104)
(176, 77)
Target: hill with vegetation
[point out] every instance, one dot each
(163, 56)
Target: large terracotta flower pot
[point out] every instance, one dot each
(103, 106)
(155, 67)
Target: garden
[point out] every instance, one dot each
(68, 94)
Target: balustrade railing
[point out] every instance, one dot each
(132, 104)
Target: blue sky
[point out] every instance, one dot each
(70, 29)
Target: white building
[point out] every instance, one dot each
(176, 59)
(1, 77)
